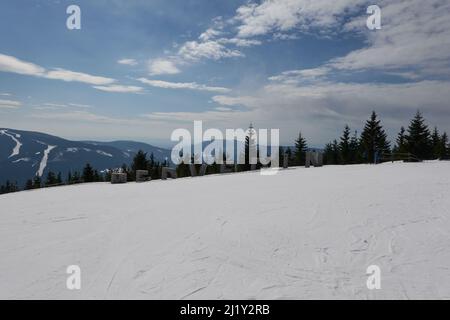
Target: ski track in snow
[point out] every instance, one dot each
(22, 159)
(301, 234)
(16, 149)
(103, 153)
(44, 160)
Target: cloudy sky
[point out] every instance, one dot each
(139, 69)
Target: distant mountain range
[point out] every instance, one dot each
(24, 154)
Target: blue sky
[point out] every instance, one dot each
(139, 69)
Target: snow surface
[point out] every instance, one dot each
(44, 160)
(103, 153)
(16, 149)
(301, 234)
(22, 159)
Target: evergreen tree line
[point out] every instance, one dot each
(142, 161)
(53, 179)
(416, 143)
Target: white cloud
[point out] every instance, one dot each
(240, 42)
(120, 89)
(414, 42)
(194, 51)
(14, 65)
(278, 16)
(247, 101)
(209, 34)
(162, 66)
(46, 108)
(5, 94)
(293, 76)
(56, 106)
(183, 85)
(82, 116)
(223, 109)
(208, 116)
(78, 105)
(413, 36)
(128, 62)
(67, 75)
(270, 16)
(77, 116)
(9, 104)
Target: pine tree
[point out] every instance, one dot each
(301, 147)
(29, 184)
(126, 170)
(88, 173)
(140, 162)
(51, 179)
(108, 174)
(76, 178)
(9, 187)
(290, 155)
(97, 177)
(444, 152)
(344, 146)
(183, 167)
(151, 162)
(335, 148)
(374, 139)
(328, 154)
(281, 156)
(401, 146)
(354, 148)
(59, 178)
(418, 139)
(157, 170)
(436, 143)
(331, 153)
(37, 182)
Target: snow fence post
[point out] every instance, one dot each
(319, 159)
(166, 171)
(203, 169)
(118, 177)
(285, 161)
(314, 158)
(192, 170)
(225, 169)
(142, 176)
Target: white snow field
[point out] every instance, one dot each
(301, 234)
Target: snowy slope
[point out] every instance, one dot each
(304, 233)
